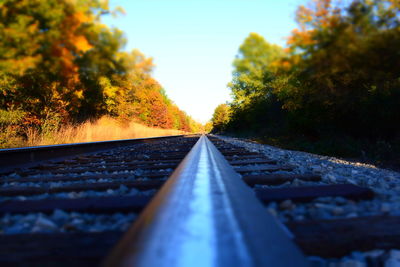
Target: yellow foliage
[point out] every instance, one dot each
(79, 94)
(22, 64)
(81, 43)
(109, 90)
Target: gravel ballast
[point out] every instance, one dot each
(61, 221)
(384, 183)
(76, 178)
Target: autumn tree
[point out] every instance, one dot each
(59, 64)
(208, 127)
(40, 44)
(344, 74)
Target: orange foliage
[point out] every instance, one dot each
(31, 120)
(301, 37)
(320, 14)
(59, 64)
(81, 43)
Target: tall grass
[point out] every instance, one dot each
(103, 129)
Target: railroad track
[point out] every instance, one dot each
(151, 202)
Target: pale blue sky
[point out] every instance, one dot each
(193, 42)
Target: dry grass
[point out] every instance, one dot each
(104, 129)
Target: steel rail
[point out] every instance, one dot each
(29, 156)
(205, 215)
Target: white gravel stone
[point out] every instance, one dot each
(43, 225)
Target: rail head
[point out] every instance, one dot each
(205, 215)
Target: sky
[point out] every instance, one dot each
(194, 42)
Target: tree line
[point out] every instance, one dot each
(59, 64)
(338, 79)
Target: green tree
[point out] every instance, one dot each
(220, 117)
(253, 68)
(254, 106)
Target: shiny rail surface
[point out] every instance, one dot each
(29, 156)
(205, 215)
